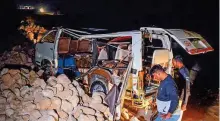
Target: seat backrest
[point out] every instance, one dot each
(73, 46)
(162, 57)
(121, 53)
(63, 45)
(84, 46)
(103, 55)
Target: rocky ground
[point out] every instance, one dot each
(25, 96)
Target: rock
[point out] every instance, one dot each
(66, 106)
(98, 97)
(40, 73)
(86, 98)
(24, 90)
(10, 97)
(88, 111)
(17, 76)
(29, 107)
(71, 118)
(14, 104)
(25, 117)
(100, 119)
(17, 92)
(99, 116)
(71, 87)
(53, 113)
(3, 87)
(60, 119)
(80, 91)
(6, 92)
(2, 100)
(34, 115)
(52, 81)
(32, 76)
(59, 87)
(4, 71)
(9, 112)
(7, 80)
(46, 118)
(2, 108)
(17, 118)
(28, 97)
(77, 111)
(55, 103)
(23, 58)
(10, 119)
(16, 85)
(86, 104)
(97, 106)
(62, 114)
(2, 117)
(13, 72)
(44, 104)
(24, 103)
(39, 82)
(52, 88)
(43, 112)
(29, 60)
(24, 70)
(75, 83)
(64, 80)
(64, 94)
(74, 100)
(21, 82)
(48, 93)
(92, 118)
(83, 117)
(38, 95)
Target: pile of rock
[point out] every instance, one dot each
(32, 31)
(19, 55)
(25, 97)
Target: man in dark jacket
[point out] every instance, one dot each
(167, 97)
(183, 80)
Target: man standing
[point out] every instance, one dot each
(167, 97)
(184, 80)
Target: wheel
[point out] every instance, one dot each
(47, 67)
(98, 86)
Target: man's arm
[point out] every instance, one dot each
(172, 92)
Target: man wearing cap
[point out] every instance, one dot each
(184, 80)
(167, 97)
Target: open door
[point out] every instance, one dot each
(193, 43)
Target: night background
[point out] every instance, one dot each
(201, 16)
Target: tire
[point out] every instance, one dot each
(98, 86)
(46, 66)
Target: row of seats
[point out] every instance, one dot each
(119, 55)
(66, 45)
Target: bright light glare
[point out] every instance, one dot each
(42, 10)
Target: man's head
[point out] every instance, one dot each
(158, 73)
(177, 61)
